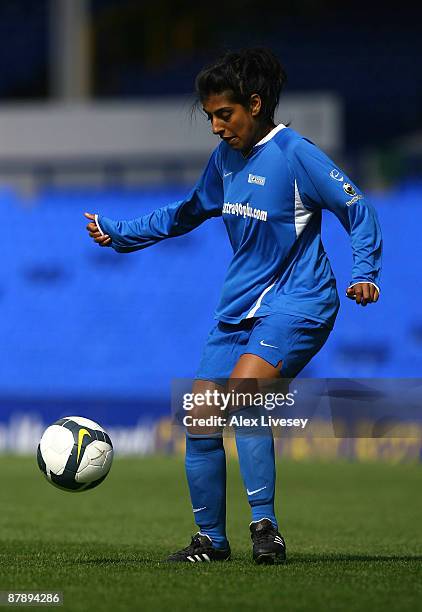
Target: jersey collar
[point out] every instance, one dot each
(270, 135)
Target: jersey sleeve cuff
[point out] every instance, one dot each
(97, 223)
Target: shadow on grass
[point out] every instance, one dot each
(303, 558)
(295, 559)
(71, 555)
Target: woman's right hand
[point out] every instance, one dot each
(98, 237)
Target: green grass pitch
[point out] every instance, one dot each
(353, 534)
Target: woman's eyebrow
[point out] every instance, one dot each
(223, 109)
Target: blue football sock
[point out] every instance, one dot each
(255, 448)
(206, 473)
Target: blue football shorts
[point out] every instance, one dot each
(289, 339)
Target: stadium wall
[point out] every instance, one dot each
(127, 142)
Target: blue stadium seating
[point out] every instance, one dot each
(81, 321)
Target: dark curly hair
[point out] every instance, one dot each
(241, 74)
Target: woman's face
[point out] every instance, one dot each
(235, 124)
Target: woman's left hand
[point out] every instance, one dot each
(98, 237)
(363, 293)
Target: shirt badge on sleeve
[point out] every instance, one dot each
(352, 192)
(335, 174)
(349, 189)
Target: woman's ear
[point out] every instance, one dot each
(255, 104)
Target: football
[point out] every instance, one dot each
(75, 454)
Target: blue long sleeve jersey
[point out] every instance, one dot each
(271, 203)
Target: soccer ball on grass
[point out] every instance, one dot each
(75, 454)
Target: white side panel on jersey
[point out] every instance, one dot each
(252, 312)
(302, 215)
